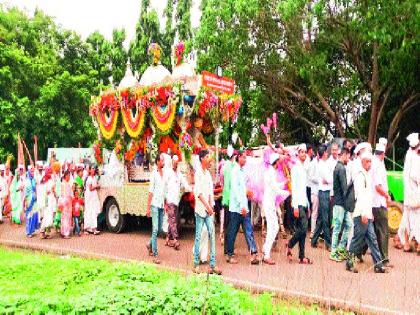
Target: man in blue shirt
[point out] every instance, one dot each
(239, 212)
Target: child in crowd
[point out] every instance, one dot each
(77, 211)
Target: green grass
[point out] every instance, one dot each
(34, 283)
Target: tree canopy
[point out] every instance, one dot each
(336, 68)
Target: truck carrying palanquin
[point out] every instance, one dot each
(162, 113)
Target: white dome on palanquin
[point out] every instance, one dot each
(129, 79)
(184, 71)
(155, 75)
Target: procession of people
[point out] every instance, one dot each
(337, 194)
(50, 196)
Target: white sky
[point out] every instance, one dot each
(87, 16)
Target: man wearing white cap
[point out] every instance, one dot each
(3, 190)
(405, 231)
(271, 191)
(300, 206)
(380, 200)
(363, 218)
(353, 168)
(173, 182)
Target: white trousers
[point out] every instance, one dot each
(272, 230)
(314, 211)
(351, 231)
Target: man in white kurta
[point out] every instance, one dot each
(380, 200)
(410, 225)
(271, 191)
(363, 218)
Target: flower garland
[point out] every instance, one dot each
(107, 123)
(97, 150)
(186, 145)
(155, 51)
(179, 53)
(163, 116)
(132, 151)
(105, 109)
(133, 114)
(206, 101)
(212, 103)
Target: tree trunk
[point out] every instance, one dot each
(411, 102)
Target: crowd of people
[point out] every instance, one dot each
(49, 197)
(336, 193)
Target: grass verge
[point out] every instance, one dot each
(35, 283)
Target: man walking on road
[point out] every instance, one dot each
(341, 215)
(155, 205)
(300, 206)
(325, 186)
(380, 200)
(271, 191)
(173, 181)
(204, 213)
(239, 212)
(363, 218)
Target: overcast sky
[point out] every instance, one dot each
(87, 16)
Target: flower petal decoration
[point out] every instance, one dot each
(134, 120)
(163, 117)
(107, 120)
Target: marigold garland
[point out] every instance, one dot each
(163, 117)
(134, 122)
(107, 123)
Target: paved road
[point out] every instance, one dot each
(325, 280)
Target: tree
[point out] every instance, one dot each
(45, 83)
(169, 35)
(147, 32)
(118, 55)
(183, 19)
(99, 56)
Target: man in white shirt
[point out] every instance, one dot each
(363, 218)
(380, 200)
(204, 213)
(313, 179)
(173, 182)
(155, 205)
(405, 232)
(325, 186)
(271, 191)
(300, 206)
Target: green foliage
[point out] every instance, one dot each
(147, 32)
(40, 284)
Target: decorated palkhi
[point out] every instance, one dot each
(139, 119)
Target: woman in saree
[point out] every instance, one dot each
(66, 205)
(31, 210)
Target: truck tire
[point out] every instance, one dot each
(115, 221)
(394, 218)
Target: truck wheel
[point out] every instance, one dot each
(394, 218)
(114, 220)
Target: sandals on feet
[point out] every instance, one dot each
(149, 249)
(305, 261)
(176, 245)
(289, 254)
(269, 261)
